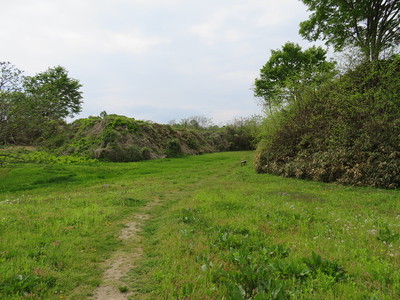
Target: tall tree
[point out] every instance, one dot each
(10, 77)
(371, 25)
(55, 94)
(31, 107)
(286, 70)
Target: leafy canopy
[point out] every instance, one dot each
(371, 25)
(56, 95)
(33, 107)
(286, 70)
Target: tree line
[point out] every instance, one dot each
(328, 124)
(33, 107)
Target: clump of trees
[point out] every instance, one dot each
(241, 133)
(370, 25)
(287, 71)
(330, 126)
(33, 108)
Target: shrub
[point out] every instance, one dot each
(173, 148)
(119, 153)
(146, 153)
(347, 131)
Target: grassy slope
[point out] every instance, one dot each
(57, 224)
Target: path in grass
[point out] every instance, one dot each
(124, 259)
(216, 227)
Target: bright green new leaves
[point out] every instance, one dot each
(371, 25)
(57, 95)
(287, 71)
(34, 107)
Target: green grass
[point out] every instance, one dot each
(222, 231)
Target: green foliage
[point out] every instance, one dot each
(194, 122)
(173, 148)
(371, 25)
(116, 122)
(256, 270)
(146, 153)
(288, 69)
(123, 289)
(19, 122)
(32, 108)
(120, 154)
(243, 133)
(387, 236)
(346, 131)
(122, 139)
(22, 285)
(55, 94)
(17, 156)
(317, 264)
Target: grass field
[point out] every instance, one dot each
(221, 232)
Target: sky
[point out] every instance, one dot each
(157, 60)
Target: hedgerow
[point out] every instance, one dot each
(347, 131)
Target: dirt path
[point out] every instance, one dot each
(123, 260)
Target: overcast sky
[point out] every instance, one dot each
(156, 60)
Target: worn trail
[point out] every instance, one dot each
(123, 260)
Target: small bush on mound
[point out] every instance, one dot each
(119, 154)
(348, 131)
(174, 148)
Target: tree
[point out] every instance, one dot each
(10, 77)
(55, 94)
(243, 132)
(286, 70)
(32, 108)
(196, 122)
(371, 25)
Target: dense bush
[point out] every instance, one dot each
(174, 148)
(347, 131)
(243, 133)
(119, 154)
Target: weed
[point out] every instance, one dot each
(123, 289)
(387, 236)
(317, 264)
(24, 284)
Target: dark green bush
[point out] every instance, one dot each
(119, 154)
(146, 153)
(173, 148)
(347, 131)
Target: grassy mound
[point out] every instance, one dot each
(122, 139)
(347, 131)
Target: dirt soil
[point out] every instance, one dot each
(123, 260)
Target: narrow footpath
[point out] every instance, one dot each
(123, 260)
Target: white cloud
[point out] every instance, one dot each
(106, 41)
(235, 21)
(143, 57)
(240, 76)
